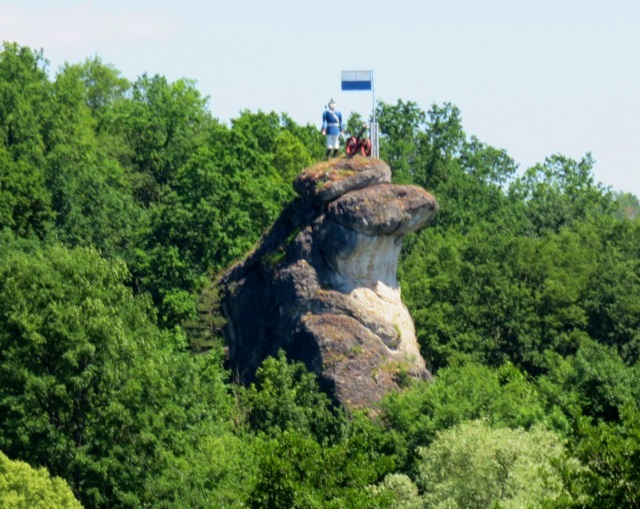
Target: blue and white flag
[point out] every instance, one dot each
(357, 80)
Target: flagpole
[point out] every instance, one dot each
(374, 126)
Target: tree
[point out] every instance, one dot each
(102, 83)
(219, 469)
(400, 126)
(594, 385)
(23, 487)
(498, 295)
(89, 386)
(475, 466)
(25, 111)
(290, 158)
(90, 194)
(611, 298)
(460, 393)
(598, 396)
(296, 471)
(158, 128)
(559, 192)
(400, 491)
(309, 135)
(211, 215)
(286, 396)
(611, 451)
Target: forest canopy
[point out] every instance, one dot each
(120, 200)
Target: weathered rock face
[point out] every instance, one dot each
(322, 283)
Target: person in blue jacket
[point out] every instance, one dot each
(332, 128)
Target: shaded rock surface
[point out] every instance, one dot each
(322, 283)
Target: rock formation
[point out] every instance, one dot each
(322, 283)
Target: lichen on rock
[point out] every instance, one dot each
(322, 284)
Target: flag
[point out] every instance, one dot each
(357, 80)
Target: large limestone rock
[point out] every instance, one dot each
(322, 283)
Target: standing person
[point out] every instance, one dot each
(332, 128)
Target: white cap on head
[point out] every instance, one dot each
(332, 104)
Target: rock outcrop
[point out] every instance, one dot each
(322, 283)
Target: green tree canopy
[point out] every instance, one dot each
(89, 386)
(24, 487)
(26, 108)
(475, 466)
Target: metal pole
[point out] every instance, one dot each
(374, 124)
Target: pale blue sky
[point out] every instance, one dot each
(533, 77)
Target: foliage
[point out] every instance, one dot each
(559, 192)
(296, 471)
(24, 487)
(25, 110)
(514, 297)
(475, 466)
(286, 396)
(597, 393)
(469, 391)
(612, 453)
(400, 490)
(85, 370)
(217, 470)
(309, 455)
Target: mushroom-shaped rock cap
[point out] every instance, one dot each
(384, 209)
(328, 180)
